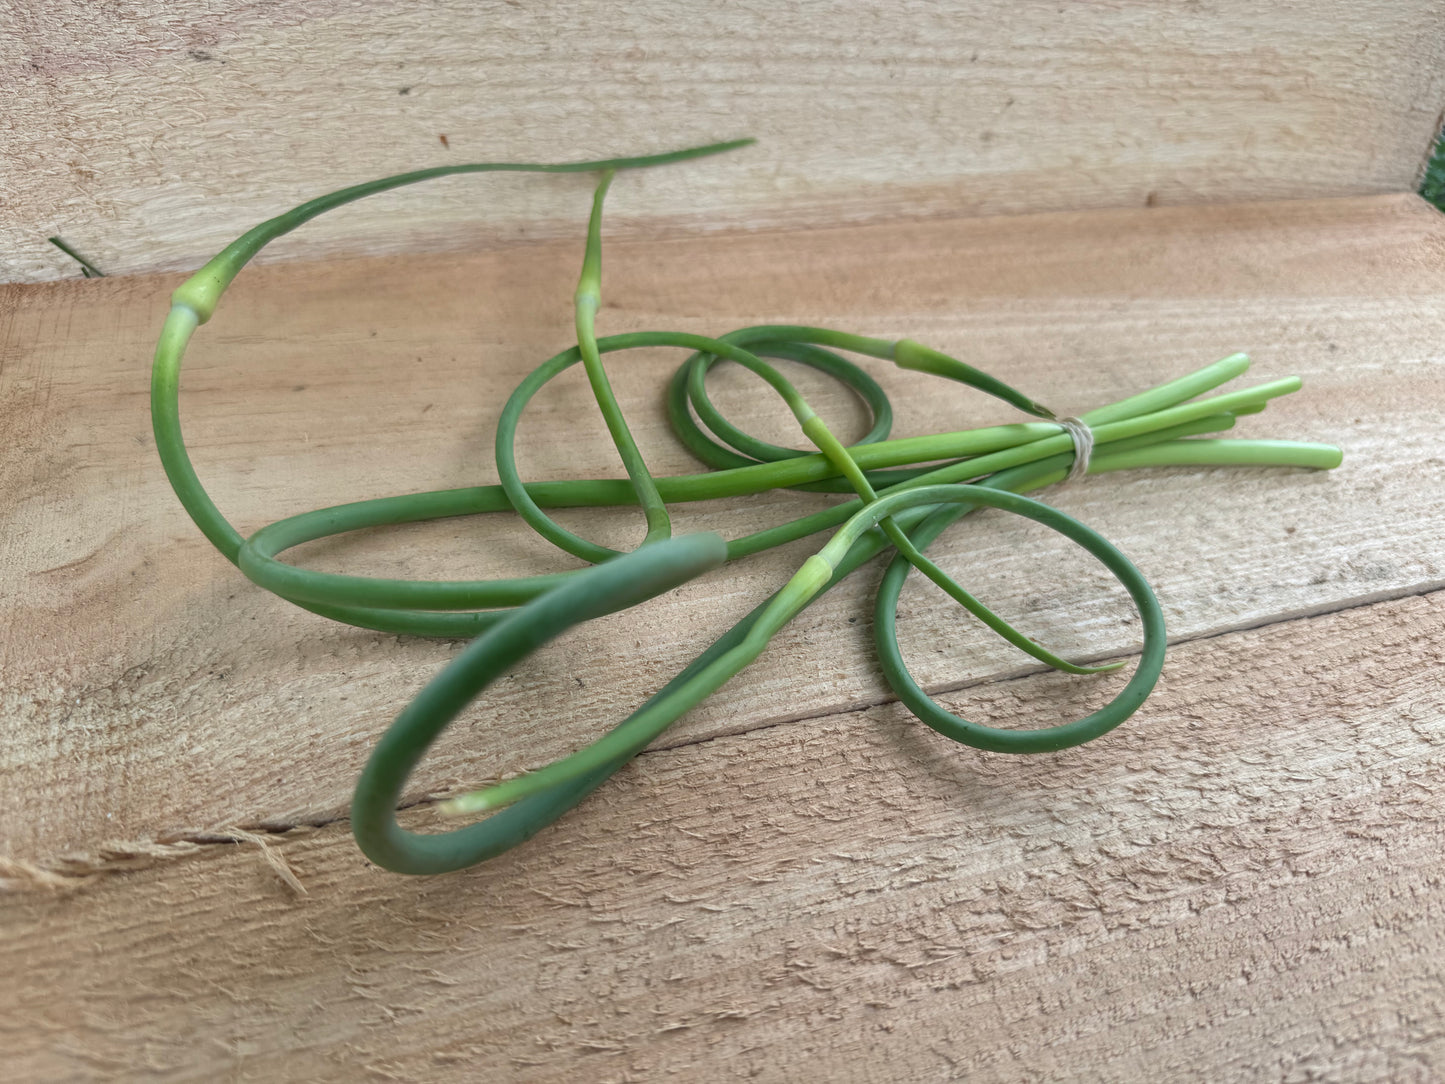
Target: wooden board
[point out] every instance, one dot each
(134, 650)
(1242, 887)
(150, 134)
(800, 879)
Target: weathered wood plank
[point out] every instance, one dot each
(148, 689)
(150, 135)
(1242, 885)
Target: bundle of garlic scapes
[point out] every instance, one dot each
(904, 493)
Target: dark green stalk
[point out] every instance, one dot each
(87, 269)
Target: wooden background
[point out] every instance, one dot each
(150, 134)
(800, 879)
(799, 882)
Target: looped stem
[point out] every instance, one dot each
(621, 583)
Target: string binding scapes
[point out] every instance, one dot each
(897, 495)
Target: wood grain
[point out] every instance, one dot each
(150, 134)
(1244, 886)
(801, 882)
(152, 693)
